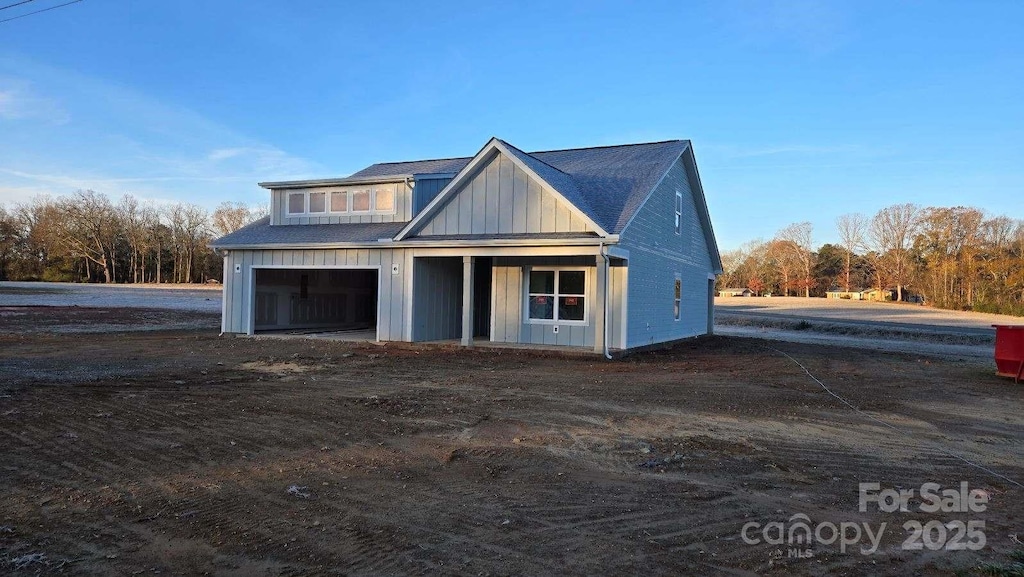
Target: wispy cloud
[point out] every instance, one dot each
(113, 139)
(19, 101)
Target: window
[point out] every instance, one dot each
(360, 200)
(384, 200)
(339, 201)
(296, 202)
(678, 294)
(679, 212)
(318, 202)
(557, 296)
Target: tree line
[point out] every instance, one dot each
(949, 257)
(87, 237)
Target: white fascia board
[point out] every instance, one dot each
(286, 184)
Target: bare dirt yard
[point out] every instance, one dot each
(185, 453)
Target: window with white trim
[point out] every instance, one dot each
(382, 199)
(679, 212)
(678, 297)
(317, 202)
(557, 296)
(360, 200)
(339, 201)
(296, 202)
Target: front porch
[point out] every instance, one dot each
(527, 298)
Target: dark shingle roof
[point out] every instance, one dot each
(439, 166)
(608, 183)
(262, 233)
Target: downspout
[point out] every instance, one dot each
(604, 309)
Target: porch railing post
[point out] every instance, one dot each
(468, 268)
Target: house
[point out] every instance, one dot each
(836, 293)
(735, 292)
(606, 248)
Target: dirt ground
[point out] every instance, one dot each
(181, 452)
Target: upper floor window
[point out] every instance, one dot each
(317, 202)
(557, 295)
(378, 200)
(679, 212)
(296, 202)
(360, 201)
(384, 200)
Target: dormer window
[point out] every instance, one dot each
(384, 200)
(339, 201)
(360, 201)
(317, 202)
(296, 202)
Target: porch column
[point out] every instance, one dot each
(468, 267)
(600, 301)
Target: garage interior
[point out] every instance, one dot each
(307, 301)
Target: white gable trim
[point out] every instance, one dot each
(491, 149)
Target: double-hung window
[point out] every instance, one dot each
(557, 295)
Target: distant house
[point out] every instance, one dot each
(606, 248)
(735, 292)
(879, 295)
(855, 295)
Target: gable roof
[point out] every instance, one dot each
(566, 188)
(607, 183)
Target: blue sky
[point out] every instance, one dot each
(797, 110)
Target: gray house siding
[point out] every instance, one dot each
(657, 254)
(425, 191)
(403, 206)
(500, 199)
(508, 304)
(437, 299)
(238, 286)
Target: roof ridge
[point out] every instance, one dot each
(529, 153)
(514, 147)
(608, 146)
(422, 160)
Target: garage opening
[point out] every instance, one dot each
(307, 301)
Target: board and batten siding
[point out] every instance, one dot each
(437, 299)
(238, 288)
(508, 304)
(502, 199)
(425, 191)
(279, 206)
(657, 254)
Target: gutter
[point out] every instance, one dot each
(284, 184)
(604, 309)
(388, 243)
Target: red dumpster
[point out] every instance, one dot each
(1010, 351)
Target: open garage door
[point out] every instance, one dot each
(315, 300)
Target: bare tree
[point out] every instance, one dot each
(229, 217)
(798, 239)
(87, 227)
(189, 232)
(852, 228)
(892, 232)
